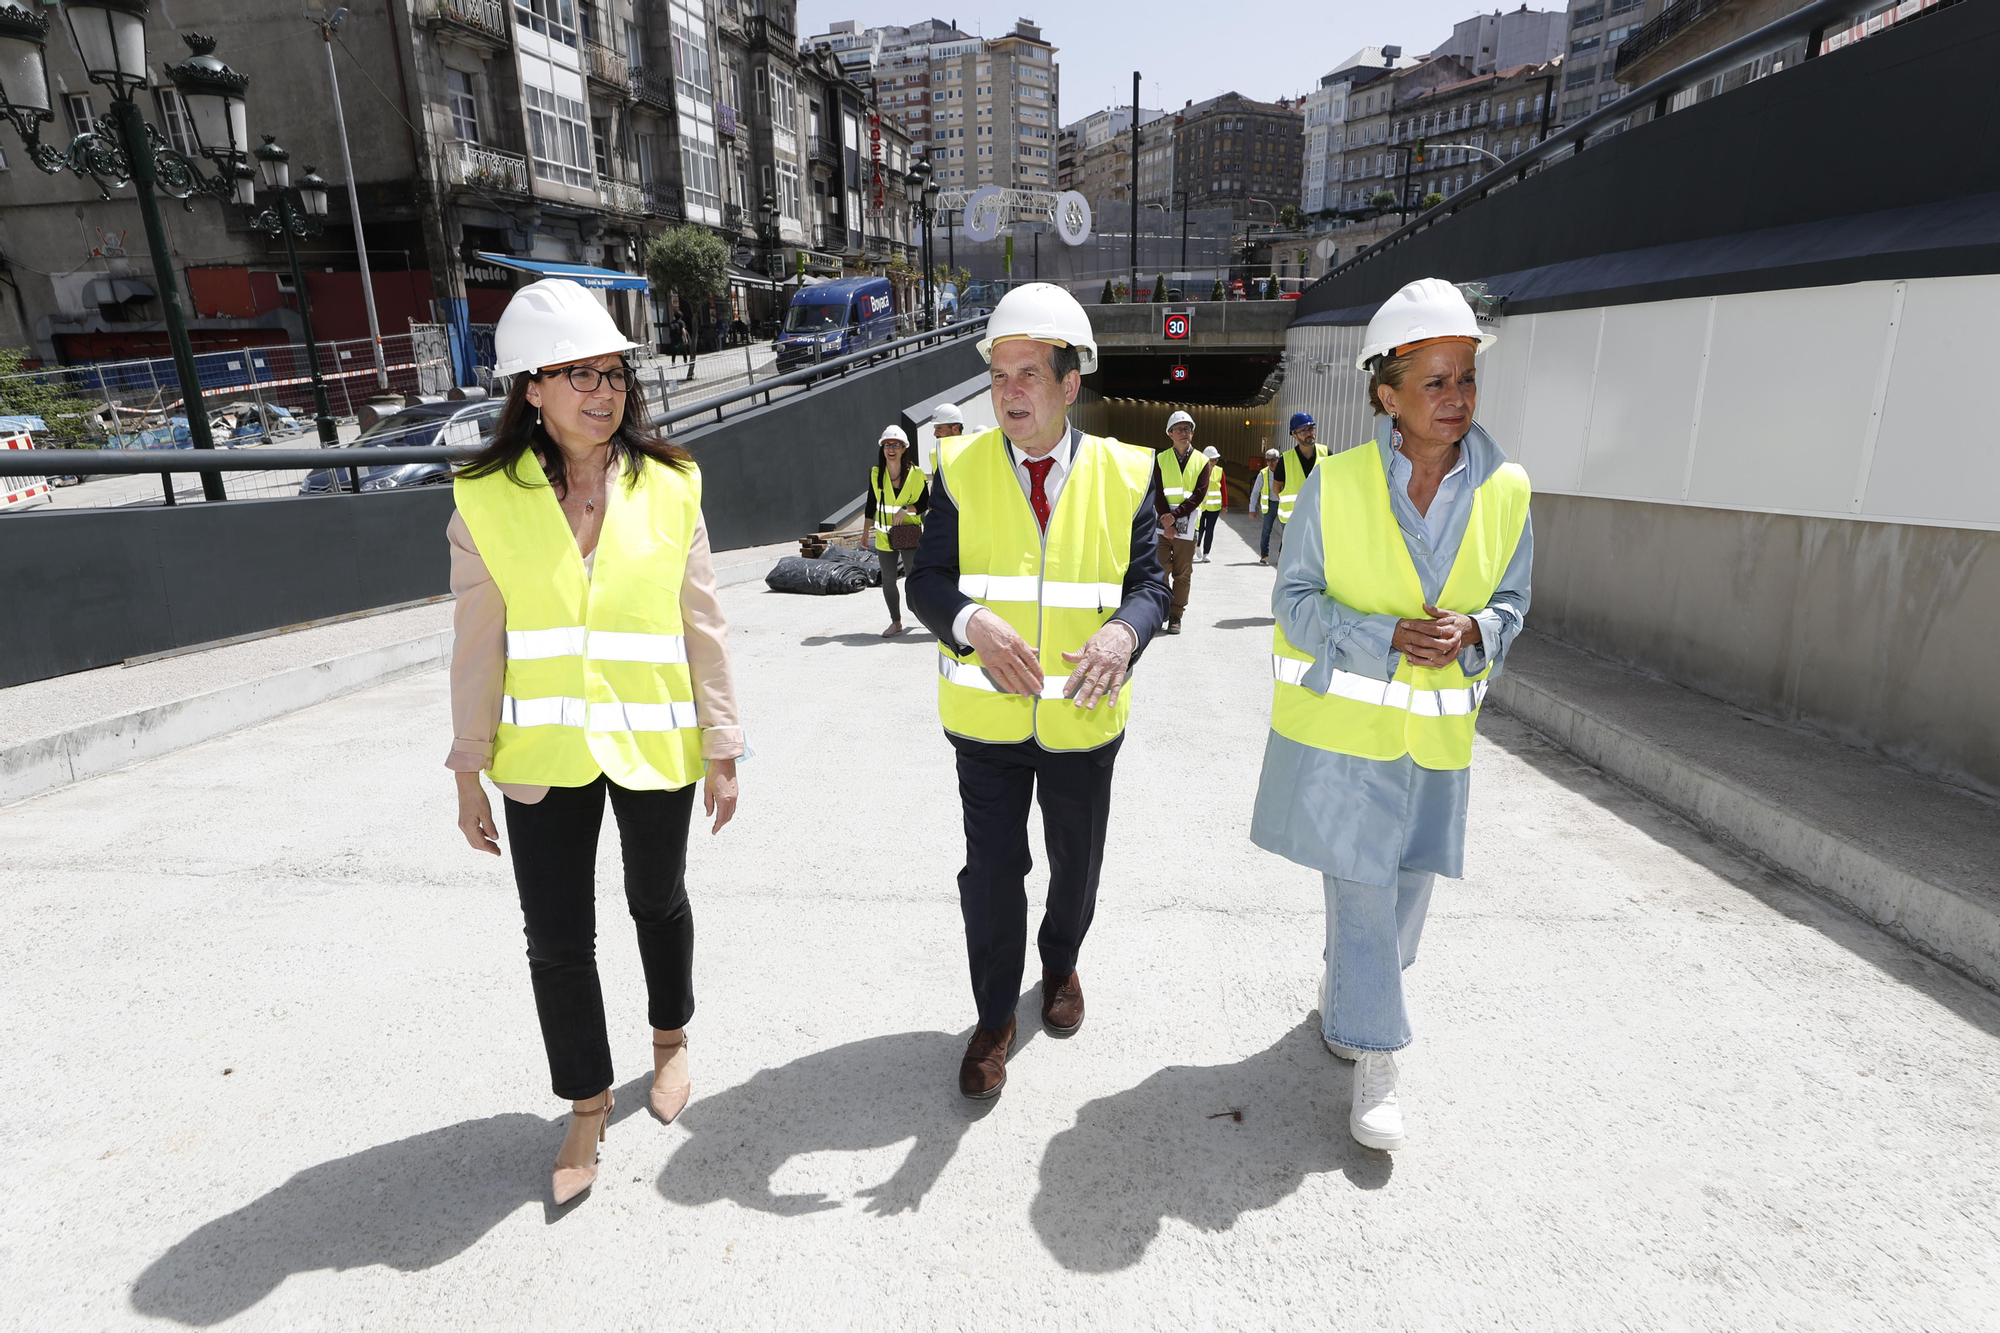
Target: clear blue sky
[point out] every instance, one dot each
(1183, 50)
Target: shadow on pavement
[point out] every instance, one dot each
(855, 1098)
(868, 640)
(407, 1205)
(1247, 622)
(1169, 1148)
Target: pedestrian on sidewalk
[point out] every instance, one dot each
(1213, 503)
(1264, 501)
(677, 339)
(590, 660)
(1292, 467)
(1396, 601)
(897, 498)
(1039, 576)
(1180, 484)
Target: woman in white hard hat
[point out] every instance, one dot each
(590, 661)
(1403, 581)
(1213, 503)
(897, 498)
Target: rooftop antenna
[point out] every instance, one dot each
(1389, 55)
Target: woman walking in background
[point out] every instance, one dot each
(1212, 504)
(897, 498)
(1403, 579)
(590, 661)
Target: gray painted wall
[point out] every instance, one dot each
(1878, 633)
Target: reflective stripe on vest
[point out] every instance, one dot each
(1295, 480)
(1211, 503)
(1177, 480)
(1427, 713)
(1055, 589)
(597, 677)
(887, 499)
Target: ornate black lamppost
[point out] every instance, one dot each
(282, 220)
(120, 148)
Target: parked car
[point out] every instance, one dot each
(427, 423)
(829, 319)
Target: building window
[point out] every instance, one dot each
(690, 42)
(464, 110)
(784, 102)
(700, 177)
(600, 147)
(551, 18)
(642, 156)
(789, 198)
(557, 136)
(76, 108)
(174, 116)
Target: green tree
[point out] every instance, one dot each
(1384, 199)
(692, 263)
(25, 393)
(1109, 297)
(1432, 200)
(1271, 288)
(1159, 287)
(1290, 218)
(1217, 292)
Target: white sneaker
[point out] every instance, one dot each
(1377, 1119)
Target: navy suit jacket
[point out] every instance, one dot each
(933, 584)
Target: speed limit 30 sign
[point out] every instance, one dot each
(1179, 326)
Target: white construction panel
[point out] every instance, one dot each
(1785, 413)
(1503, 377)
(1557, 410)
(1642, 414)
(1935, 457)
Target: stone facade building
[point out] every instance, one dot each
(1231, 150)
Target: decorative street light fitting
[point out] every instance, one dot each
(111, 37)
(281, 220)
(313, 190)
(24, 78)
(213, 93)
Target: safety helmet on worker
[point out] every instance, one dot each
(1300, 420)
(1212, 453)
(552, 323)
(1179, 419)
(1046, 313)
(947, 414)
(894, 435)
(1427, 310)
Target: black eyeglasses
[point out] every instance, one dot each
(585, 379)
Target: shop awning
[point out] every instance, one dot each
(743, 277)
(582, 274)
(117, 291)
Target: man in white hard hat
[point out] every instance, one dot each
(1264, 502)
(1038, 574)
(1405, 577)
(1180, 484)
(1212, 505)
(947, 422)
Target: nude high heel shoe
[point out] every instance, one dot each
(671, 1084)
(572, 1179)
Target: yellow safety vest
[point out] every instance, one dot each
(1211, 503)
(1295, 480)
(1427, 713)
(887, 498)
(597, 675)
(1178, 483)
(1056, 589)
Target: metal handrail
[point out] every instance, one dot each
(106, 462)
(1812, 17)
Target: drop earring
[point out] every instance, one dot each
(1395, 432)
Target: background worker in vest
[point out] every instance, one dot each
(947, 423)
(1038, 574)
(897, 498)
(1403, 581)
(1264, 501)
(1213, 501)
(1180, 484)
(590, 660)
(1294, 465)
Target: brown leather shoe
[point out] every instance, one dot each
(1062, 1004)
(984, 1070)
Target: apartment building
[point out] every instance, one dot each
(1371, 163)
(1101, 162)
(1501, 113)
(1237, 153)
(1321, 183)
(984, 111)
(1491, 42)
(1597, 28)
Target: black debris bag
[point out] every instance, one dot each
(822, 578)
(864, 560)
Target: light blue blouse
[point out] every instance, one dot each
(1340, 814)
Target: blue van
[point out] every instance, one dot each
(836, 317)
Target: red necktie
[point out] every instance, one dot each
(1038, 471)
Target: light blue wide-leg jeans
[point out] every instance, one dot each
(1371, 936)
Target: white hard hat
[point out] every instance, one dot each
(1212, 452)
(895, 434)
(1427, 309)
(947, 414)
(1270, 453)
(1179, 419)
(551, 322)
(1046, 313)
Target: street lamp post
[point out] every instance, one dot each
(121, 148)
(927, 193)
(280, 220)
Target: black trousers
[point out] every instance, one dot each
(995, 783)
(889, 561)
(554, 845)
